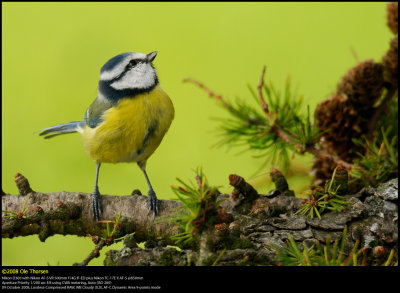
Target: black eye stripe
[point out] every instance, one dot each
(134, 62)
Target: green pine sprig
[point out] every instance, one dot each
(273, 128)
(324, 255)
(380, 161)
(199, 204)
(108, 233)
(292, 254)
(20, 215)
(324, 199)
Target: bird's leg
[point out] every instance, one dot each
(152, 198)
(96, 202)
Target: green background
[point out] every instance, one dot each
(52, 54)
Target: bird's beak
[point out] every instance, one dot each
(151, 56)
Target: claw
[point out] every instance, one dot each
(96, 204)
(153, 203)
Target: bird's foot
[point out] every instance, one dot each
(96, 204)
(153, 203)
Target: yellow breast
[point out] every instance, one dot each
(131, 131)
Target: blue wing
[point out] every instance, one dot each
(94, 113)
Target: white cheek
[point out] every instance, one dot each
(140, 78)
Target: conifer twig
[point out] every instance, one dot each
(281, 134)
(209, 91)
(275, 128)
(260, 86)
(94, 253)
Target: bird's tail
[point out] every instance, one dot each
(69, 127)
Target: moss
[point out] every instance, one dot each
(125, 252)
(242, 244)
(375, 205)
(238, 243)
(168, 256)
(75, 227)
(130, 241)
(209, 261)
(150, 243)
(108, 261)
(128, 227)
(374, 243)
(44, 232)
(230, 242)
(243, 262)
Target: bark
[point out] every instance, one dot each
(246, 239)
(69, 213)
(250, 237)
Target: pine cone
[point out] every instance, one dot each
(392, 16)
(322, 170)
(390, 62)
(343, 122)
(345, 115)
(363, 84)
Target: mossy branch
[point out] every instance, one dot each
(67, 213)
(242, 238)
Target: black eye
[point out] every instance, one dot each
(132, 64)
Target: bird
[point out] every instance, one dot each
(126, 122)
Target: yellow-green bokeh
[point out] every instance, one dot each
(52, 54)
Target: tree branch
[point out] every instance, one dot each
(245, 238)
(250, 237)
(94, 253)
(73, 217)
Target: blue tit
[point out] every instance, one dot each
(127, 120)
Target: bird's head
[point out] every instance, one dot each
(130, 71)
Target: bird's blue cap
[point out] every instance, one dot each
(114, 61)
